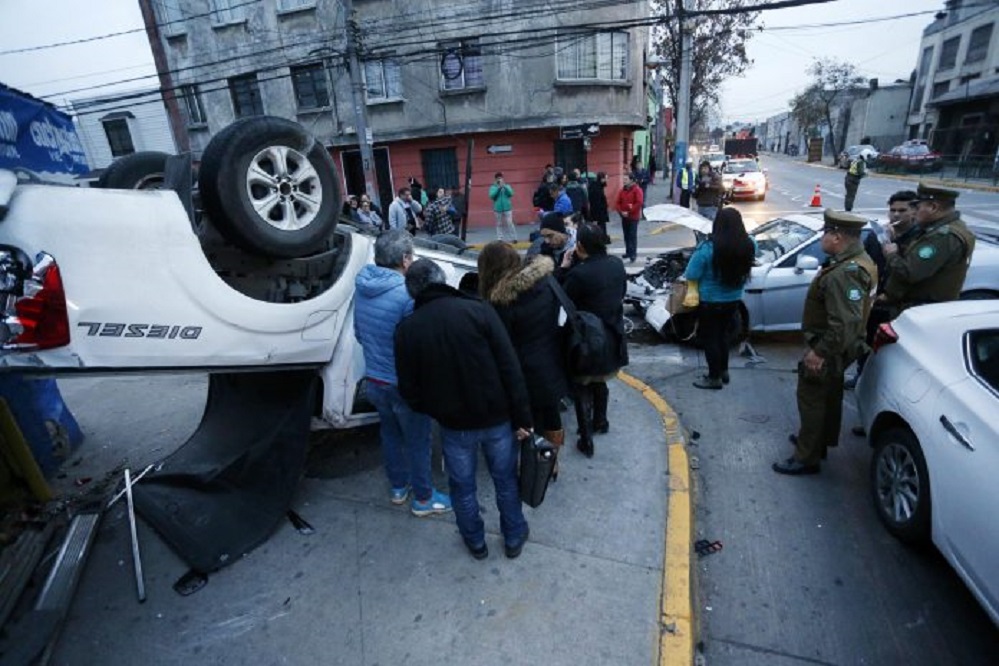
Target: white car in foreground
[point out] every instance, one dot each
(928, 398)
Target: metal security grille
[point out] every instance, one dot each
(245, 93)
(309, 82)
(440, 167)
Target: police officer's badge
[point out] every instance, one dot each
(854, 294)
(926, 252)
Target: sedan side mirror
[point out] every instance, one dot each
(805, 263)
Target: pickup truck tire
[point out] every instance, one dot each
(138, 171)
(270, 187)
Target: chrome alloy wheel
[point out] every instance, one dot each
(284, 188)
(898, 483)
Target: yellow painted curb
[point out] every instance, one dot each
(676, 642)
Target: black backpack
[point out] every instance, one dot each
(589, 345)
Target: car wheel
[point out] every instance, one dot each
(270, 187)
(138, 171)
(900, 485)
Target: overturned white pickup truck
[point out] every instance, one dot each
(249, 277)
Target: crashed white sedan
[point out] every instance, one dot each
(788, 256)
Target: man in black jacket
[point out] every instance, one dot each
(478, 397)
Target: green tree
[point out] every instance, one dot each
(833, 84)
(719, 50)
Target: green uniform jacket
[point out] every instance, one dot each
(837, 305)
(501, 196)
(933, 266)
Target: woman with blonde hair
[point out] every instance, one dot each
(525, 301)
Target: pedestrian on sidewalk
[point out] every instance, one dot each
(856, 171)
(685, 181)
(721, 266)
(598, 201)
(629, 204)
(709, 190)
(836, 309)
(380, 303)
(478, 397)
(522, 294)
(501, 194)
(597, 284)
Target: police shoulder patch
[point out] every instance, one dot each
(926, 252)
(854, 294)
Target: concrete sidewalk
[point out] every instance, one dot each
(375, 585)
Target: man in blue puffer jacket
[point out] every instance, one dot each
(380, 303)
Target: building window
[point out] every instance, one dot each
(440, 167)
(171, 18)
(601, 56)
(226, 12)
(948, 53)
(917, 100)
(294, 5)
(192, 103)
(119, 137)
(245, 92)
(978, 46)
(382, 80)
(311, 91)
(924, 63)
(940, 89)
(461, 65)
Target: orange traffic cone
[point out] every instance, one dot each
(816, 198)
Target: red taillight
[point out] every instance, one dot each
(885, 335)
(38, 317)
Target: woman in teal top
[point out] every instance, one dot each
(721, 265)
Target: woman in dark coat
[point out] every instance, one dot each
(597, 284)
(521, 294)
(598, 201)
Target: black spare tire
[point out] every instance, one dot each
(270, 187)
(138, 171)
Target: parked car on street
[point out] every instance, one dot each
(912, 155)
(788, 256)
(865, 150)
(715, 159)
(928, 397)
(743, 179)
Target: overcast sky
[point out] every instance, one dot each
(886, 50)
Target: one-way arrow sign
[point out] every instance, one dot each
(494, 150)
(580, 131)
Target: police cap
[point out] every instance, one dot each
(838, 219)
(926, 192)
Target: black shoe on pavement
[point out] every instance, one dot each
(513, 550)
(725, 378)
(708, 383)
(794, 440)
(601, 428)
(478, 552)
(793, 467)
(585, 446)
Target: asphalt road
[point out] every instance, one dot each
(806, 573)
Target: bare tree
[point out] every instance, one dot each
(834, 82)
(719, 50)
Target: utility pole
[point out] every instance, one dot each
(683, 103)
(364, 138)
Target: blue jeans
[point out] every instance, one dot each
(630, 229)
(461, 454)
(405, 438)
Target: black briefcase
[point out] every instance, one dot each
(537, 462)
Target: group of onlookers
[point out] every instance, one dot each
(488, 366)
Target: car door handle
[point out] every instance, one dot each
(952, 429)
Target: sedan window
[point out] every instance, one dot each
(779, 237)
(746, 166)
(984, 350)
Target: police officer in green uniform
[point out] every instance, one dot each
(856, 171)
(836, 309)
(933, 266)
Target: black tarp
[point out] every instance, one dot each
(227, 488)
